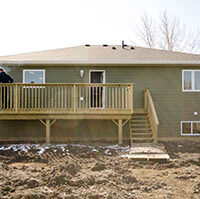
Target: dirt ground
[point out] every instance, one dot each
(95, 172)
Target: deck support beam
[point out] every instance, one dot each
(48, 130)
(120, 133)
(48, 135)
(120, 125)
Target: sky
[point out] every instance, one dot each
(35, 25)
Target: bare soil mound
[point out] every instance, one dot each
(95, 172)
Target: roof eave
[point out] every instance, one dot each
(107, 63)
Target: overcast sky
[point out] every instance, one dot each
(34, 25)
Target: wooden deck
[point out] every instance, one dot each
(49, 102)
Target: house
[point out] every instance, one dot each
(101, 92)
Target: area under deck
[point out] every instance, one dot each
(51, 102)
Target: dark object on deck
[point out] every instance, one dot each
(5, 78)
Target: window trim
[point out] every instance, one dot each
(104, 75)
(25, 70)
(191, 123)
(192, 80)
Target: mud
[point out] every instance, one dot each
(97, 172)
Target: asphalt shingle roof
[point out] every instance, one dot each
(98, 54)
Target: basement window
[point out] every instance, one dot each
(34, 76)
(191, 80)
(190, 128)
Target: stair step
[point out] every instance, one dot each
(141, 134)
(143, 114)
(140, 129)
(132, 125)
(139, 122)
(139, 114)
(139, 117)
(138, 138)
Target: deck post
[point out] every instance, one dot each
(155, 136)
(131, 98)
(120, 132)
(48, 131)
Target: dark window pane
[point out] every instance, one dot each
(186, 128)
(196, 128)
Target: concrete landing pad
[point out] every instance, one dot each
(148, 151)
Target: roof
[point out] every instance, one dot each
(99, 54)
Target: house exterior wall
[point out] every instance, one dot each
(165, 84)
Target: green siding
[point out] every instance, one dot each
(165, 84)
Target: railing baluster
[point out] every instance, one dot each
(16, 98)
(58, 99)
(1, 105)
(64, 97)
(116, 97)
(42, 98)
(123, 98)
(29, 97)
(32, 98)
(89, 97)
(92, 96)
(61, 94)
(35, 99)
(52, 98)
(45, 97)
(48, 97)
(25, 98)
(119, 97)
(11, 97)
(113, 98)
(85, 97)
(7, 97)
(74, 92)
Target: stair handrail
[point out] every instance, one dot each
(149, 106)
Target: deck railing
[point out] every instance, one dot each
(66, 98)
(149, 106)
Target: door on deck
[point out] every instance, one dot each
(97, 92)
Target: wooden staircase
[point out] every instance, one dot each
(144, 123)
(140, 128)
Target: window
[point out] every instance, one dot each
(34, 76)
(191, 80)
(190, 128)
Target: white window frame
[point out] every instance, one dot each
(25, 70)
(191, 123)
(104, 75)
(192, 81)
